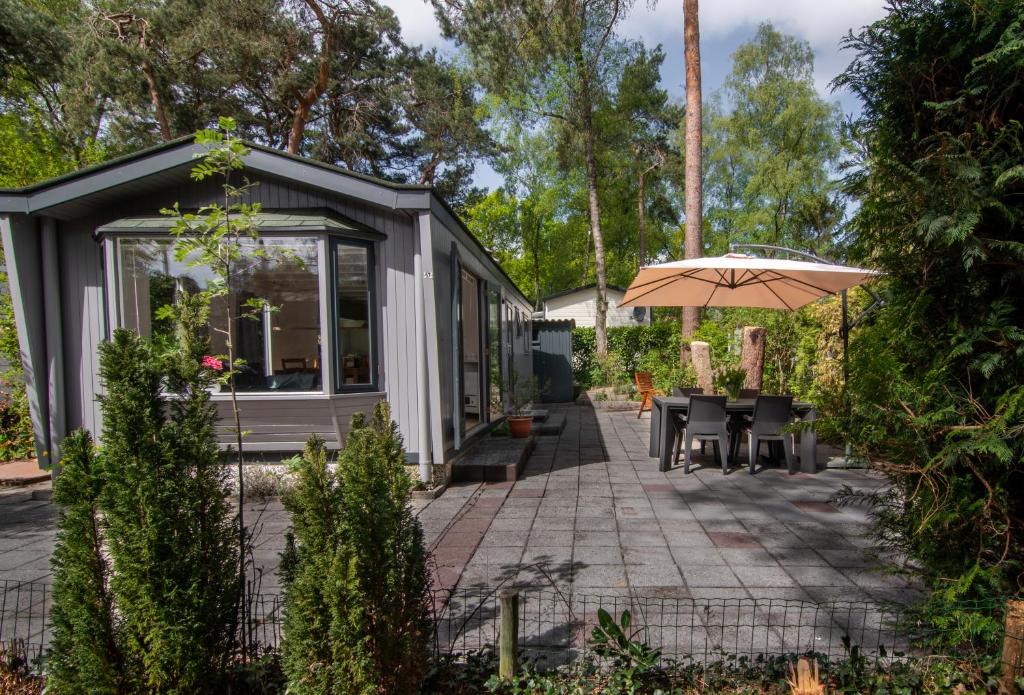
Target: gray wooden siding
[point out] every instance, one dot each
(84, 310)
(473, 259)
(285, 425)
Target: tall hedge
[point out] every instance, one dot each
(356, 603)
(939, 376)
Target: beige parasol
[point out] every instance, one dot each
(740, 280)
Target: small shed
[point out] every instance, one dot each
(580, 305)
(552, 359)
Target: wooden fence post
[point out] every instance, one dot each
(508, 638)
(1013, 648)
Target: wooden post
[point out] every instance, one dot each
(752, 356)
(1013, 648)
(700, 354)
(508, 638)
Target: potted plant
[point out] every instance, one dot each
(519, 393)
(730, 381)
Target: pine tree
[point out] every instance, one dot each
(356, 608)
(84, 655)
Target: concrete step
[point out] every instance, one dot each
(550, 426)
(493, 459)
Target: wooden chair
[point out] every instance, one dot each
(645, 387)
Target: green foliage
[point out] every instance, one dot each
(84, 655)
(356, 599)
(772, 145)
(167, 526)
(937, 391)
(145, 589)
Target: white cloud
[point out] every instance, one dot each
(419, 26)
(821, 22)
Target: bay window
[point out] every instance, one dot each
(282, 347)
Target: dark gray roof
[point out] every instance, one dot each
(178, 156)
(327, 220)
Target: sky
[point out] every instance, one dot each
(724, 25)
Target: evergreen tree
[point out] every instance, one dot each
(169, 532)
(356, 611)
(84, 655)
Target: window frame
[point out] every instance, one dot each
(338, 386)
(327, 281)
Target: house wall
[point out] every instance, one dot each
(275, 424)
(582, 307)
(445, 231)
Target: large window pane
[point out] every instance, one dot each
(352, 263)
(280, 347)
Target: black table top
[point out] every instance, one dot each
(738, 404)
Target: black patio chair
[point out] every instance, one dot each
(750, 393)
(771, 415)
(680, 392)
(706, 419)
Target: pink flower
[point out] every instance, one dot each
(211, 362)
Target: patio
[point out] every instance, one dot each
(592, 514)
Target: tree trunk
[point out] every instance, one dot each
(154, 97)
(309, 98)
(700, 354)
(693, 184)
(601, 317)
(641, 212)
(752, 356)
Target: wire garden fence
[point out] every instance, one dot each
(554, 628)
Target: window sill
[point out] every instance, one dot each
(223, 396)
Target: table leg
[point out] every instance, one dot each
(809, 444)
(668, 433)
(654, 446)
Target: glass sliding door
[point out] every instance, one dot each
(495, 377)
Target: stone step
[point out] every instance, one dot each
(551, 426)
(493, 459)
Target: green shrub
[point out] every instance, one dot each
(155, 609)
(356, 598)
(84, 655)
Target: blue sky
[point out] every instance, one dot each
(725, 24)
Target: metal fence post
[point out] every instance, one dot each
(508, 644)
(1013, 647)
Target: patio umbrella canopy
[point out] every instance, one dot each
(740, 280)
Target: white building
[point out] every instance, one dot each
(580, 304)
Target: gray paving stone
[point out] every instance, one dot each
(755, 577)
(717, 576)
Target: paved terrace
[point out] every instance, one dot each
(738, 563)
(592, 514)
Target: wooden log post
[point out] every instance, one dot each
(752, 356)
(1013, 648)
(508, 638)
(700, 353)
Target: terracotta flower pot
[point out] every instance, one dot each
(519, 425)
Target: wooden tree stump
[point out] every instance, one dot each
(700, 354)
(752, 356)
(1013, 648)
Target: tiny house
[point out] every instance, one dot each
(580, 305)
(380, 292)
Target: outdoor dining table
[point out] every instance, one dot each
(663, 433)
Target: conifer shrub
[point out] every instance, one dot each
(356, 614)
(146, 561)
(84, 655)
